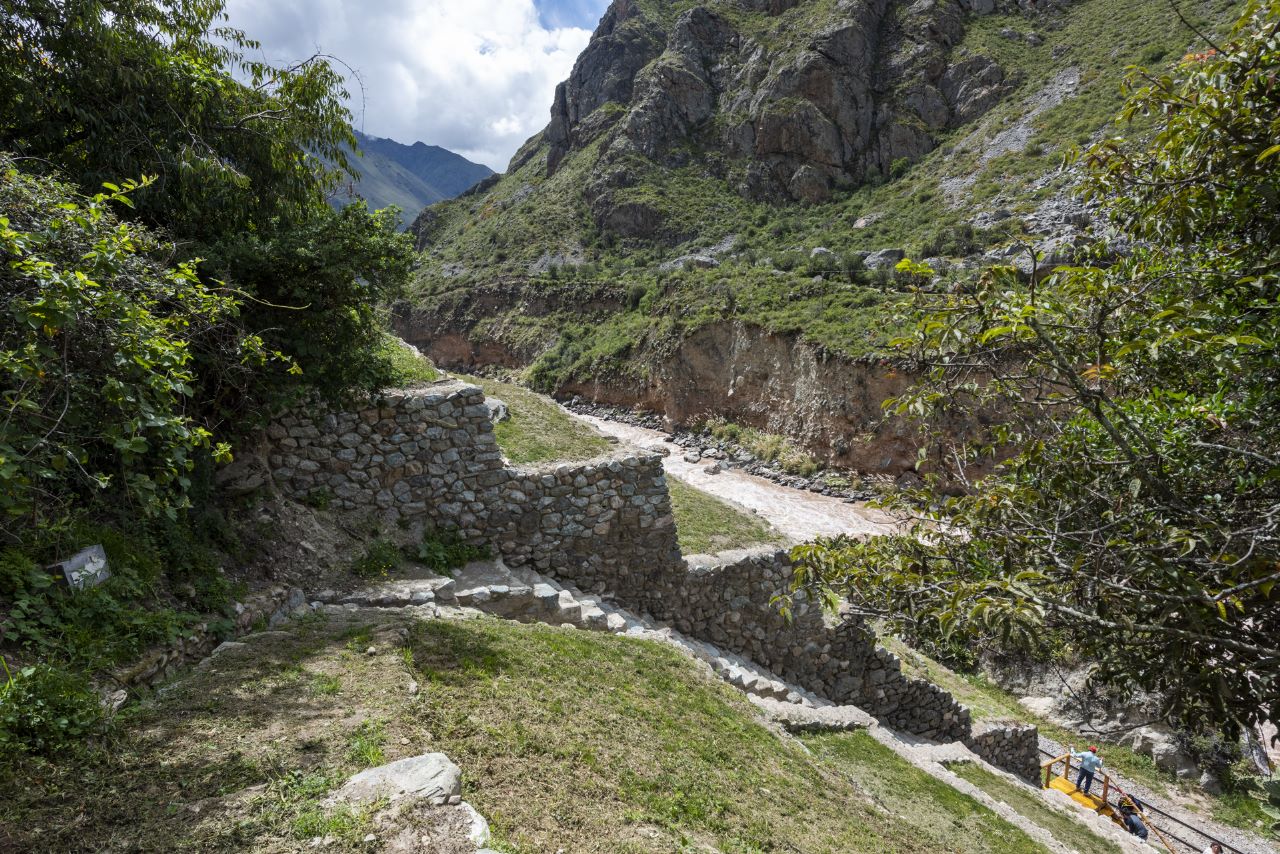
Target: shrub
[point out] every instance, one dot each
(380, 559)
(96, 348)
(44, 709)
(120, 618)
(445, 551)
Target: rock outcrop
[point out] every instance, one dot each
(775, 382)
(789, 100)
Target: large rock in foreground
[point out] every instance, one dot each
(431, 777)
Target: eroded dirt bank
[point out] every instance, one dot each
(779, 383)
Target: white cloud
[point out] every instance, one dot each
(474, 76)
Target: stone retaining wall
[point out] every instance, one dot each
(1010, 745)
(427, 458)
(726, 600)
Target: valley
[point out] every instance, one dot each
(841, 423)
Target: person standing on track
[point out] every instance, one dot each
(1090, 762)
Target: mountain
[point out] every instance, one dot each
(709, 223)
(409, 176)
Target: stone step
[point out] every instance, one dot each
(798, 718)
(570, 611)
(525, 595)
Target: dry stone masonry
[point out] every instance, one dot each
(427, 458)
(1010, 745)
(265, 610)
(728, 601)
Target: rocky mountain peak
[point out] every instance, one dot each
(789, 99)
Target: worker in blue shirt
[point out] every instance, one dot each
(1090, 762)
(1131, 815)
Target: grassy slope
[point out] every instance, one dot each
(1028, 804)
(925, 807)
(409, 367)
(539, 431)
(707, 525)
(527, 214)
(989, 702)
(568, 740)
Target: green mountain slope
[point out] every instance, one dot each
(764, 144)
(410, 177)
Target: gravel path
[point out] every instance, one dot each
(797, 515)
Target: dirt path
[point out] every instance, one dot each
(796, 514)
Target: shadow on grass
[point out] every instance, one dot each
(166, 776)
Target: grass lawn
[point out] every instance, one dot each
(568, 740)
(707, 525)
(539, 431)
(1028, 803)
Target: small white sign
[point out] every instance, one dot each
(86, 568)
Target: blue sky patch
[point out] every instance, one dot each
(571, 13)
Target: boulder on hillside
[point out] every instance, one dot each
(685, 262)
(431, 777)
(883, 258)
(498, 411)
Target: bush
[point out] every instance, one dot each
(96, 347)
(44, 709)
(117, 620)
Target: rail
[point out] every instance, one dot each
(1169, 827)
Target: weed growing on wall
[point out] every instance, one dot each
(445, 551)
(380, 558)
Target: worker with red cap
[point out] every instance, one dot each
(1090, 762)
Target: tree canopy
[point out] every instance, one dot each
(1138, 518)
(239, 157)
(147, 326)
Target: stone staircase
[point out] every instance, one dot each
(492, 588)
(521, 594)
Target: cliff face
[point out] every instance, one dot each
(743, 373)
(709, 223)
(788, 100)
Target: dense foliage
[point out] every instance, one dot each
(236, 149)
(96, 356)
(1139, 521)
(144, 329)
(43, 710)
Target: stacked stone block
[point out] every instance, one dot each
(1010, 745)
(728, 601)
(428, 457)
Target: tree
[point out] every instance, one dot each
(105, 89)
(235, 151)
(1138, 518)
(96, 357)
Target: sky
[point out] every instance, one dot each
(474, 76)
